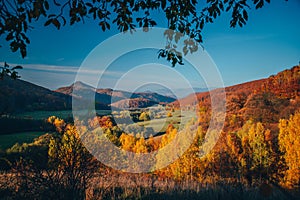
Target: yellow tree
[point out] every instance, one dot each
(289, 145)
(188, 166)
(234, 148)
(256, 156)
(153, 143)
(72, 163)
(140, 146)
(144, 116)
(139, 149)
(260, 151)
(127, 141)
(162, 155)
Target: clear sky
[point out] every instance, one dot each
(269, 43)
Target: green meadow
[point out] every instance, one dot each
(9, 140)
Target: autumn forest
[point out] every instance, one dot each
(149, 99)
(255, 157)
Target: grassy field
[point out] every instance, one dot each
(178, 119)
(159, 125)
(64, 114)
(8, 140)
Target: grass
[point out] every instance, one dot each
(159, 125)
(64, 114)
(9, 140)
(178, 119)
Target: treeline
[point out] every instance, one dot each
(251, 163)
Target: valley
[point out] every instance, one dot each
(257, 147)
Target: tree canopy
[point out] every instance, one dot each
(184, 17)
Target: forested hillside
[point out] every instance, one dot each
(19, 95)
(257, 155)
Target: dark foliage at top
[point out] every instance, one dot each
(184, 17)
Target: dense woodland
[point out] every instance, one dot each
(256, 157)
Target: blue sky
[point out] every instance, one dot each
(269, 43)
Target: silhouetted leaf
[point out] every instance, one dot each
(89, 4)
(163, 4)
(9, 36)
(48, 22)
(23, 52)
(245, 15)
(46, 4)
(56, 3)
(56, 23)
(17, 67)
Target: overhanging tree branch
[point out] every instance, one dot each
(184, 17)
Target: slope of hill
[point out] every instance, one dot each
(285, 84)
(133, 103)
(19, 95)
(243, 88)
(85, 90)
(261, 100)
(180, 92)
(77, 85)
(152, 96)
(266, 100)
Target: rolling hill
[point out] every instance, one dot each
(133, 103)
(265, 100)
(118, 98)
(19, 95)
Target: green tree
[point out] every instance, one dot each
(253, 150)
(260, 151)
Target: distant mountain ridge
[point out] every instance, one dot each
(118, 98)
(177, 92)
(19, 96)
(242, 99)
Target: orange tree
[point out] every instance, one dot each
(289, 144)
